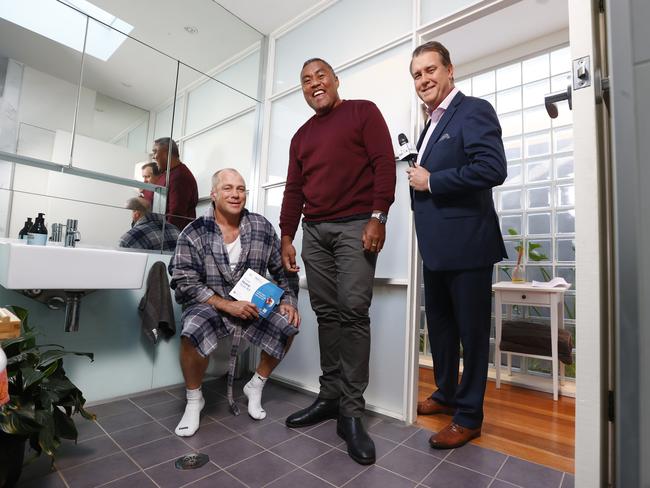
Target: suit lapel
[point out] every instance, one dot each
(422, 134)
(437, 132)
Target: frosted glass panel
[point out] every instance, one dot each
(287, 115)
(433, 10)
(227, 146)
(212, 102)
(340, 33)
(163, 124)
(243, 75)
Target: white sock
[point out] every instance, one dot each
(253, 391)
(189, 424)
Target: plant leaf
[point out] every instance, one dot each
(512, 232)
(47, 438)
(18, 340)
(31, 376)
(53, 355)
(64, 425)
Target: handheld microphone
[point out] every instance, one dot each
(407, 152)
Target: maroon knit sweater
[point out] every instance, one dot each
(340, 164)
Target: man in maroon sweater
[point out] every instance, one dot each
(341, 176)
(182, 191)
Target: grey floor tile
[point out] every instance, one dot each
(86, 429)
(278, 409)
(243, 422)
(209, 434)
(167, 476)
(221, 479)
(158, 451)
(113, 408)
(502, 484)
(324, 432)
(477, 458)
(167, 409)
(36, 468)
(171, 422)
(301, 479)
(447, 474)
(420, 441)
(568, 481)
(271, 434)
(231, 451)
(301, 449)
(300, 400)
(152, 398)
(409, 463)
(99, 471)
(377, 477)
(394, 431)
(51, 480)
(177, 392)
(71, 454)
(124, 421)
(530, 475)
(335, 467)
(139, 480)
(220, 410)
(261, 469)
(141, 434)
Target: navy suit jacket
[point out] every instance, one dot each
(456, 223)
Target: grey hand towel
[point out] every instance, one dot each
(156, 308)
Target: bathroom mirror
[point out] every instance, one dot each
(102, 114)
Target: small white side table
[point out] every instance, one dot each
(508, 293)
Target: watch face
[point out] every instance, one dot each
(381, 217)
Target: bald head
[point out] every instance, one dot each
(217, 177)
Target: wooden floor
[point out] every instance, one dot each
(520, 422)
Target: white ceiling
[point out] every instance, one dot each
(145, 78)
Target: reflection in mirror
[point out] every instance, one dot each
(113, 136)
(105, 213)
(40, 63)
(204, 36)
(220, 125)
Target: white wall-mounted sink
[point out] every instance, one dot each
(24, 267)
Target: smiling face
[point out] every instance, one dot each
(433, 80)
(159, 154)
(320, 87)
(229, 193)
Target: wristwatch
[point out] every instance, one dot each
(381, 216)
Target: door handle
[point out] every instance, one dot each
(551, 99)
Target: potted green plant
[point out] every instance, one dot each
(42, 400)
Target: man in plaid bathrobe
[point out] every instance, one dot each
(212, 254)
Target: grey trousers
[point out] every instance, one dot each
(340, 278)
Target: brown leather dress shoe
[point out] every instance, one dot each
(452, 436)
(432, 407)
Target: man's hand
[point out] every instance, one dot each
(291, 313)
(418, 178)
(374, 235)
(289, 255)
(241, 309)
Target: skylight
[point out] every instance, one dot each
(57, 21)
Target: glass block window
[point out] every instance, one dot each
(536, 203)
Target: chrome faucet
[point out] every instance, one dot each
(72, 235)
(57, 232)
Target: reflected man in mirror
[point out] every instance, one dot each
(213, 253)
(341, 177)
(150, 174)
(182, 191)
(460, 160)
(147, 228)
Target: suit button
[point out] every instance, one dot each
(523, 297)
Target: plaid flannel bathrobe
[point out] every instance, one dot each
(200, 268)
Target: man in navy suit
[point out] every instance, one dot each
(460, 160)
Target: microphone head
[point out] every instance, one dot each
(402, 139)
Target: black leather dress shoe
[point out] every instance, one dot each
(322, 409)
(361, 448)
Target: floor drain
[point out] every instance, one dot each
(191, 461)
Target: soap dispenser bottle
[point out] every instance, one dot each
(37, 235)
(25, 230)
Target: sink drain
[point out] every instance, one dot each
(191, 461)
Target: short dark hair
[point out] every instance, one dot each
(138, 204)
(154, 168)
(320, 60)
(433, 46)
(165, 141)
